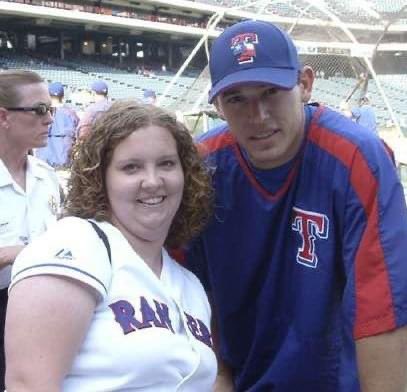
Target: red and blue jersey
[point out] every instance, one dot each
(303, 259)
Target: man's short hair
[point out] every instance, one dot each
(10, 81)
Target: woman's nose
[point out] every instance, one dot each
(151, 178)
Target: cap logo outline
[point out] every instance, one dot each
(243, 47)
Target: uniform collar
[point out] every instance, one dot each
(35, 168)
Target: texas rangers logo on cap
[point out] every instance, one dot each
(243, 47)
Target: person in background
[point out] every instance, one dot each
(100, 92)
(364, 114)
(62, 131)
(127, 316)
(305, 256)
(149, 97)
(29, 189)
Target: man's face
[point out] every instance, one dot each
(267, 122)
(27, 129)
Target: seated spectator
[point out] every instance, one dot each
(62, 131)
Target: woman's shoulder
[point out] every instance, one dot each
(189, 278)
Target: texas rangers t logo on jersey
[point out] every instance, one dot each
(243, 47)
(311, 226)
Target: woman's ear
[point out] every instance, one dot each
(306, 81)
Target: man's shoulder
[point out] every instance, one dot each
(68, 110)
(97, 106)
(41, 168)
(344, 128)
(344, 138)
(65, 114)
(215, 139)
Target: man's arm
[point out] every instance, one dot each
(224, 378)
(382, 362)
(8, 254)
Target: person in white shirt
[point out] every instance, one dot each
(117, 314)
(29, 190)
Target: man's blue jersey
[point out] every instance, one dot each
(304, 259)
(61, 136)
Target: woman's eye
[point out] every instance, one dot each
(130, 167)
(167, 163)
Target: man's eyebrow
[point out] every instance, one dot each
(231, 92)
(49, 103)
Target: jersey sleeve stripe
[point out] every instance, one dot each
(372, 284)
(215, 143)
(46, 265)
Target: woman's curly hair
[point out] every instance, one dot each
(87, 197)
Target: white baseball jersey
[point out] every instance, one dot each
(148, 333)
(25, 214)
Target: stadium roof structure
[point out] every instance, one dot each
(338, 37)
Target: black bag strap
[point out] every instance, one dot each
(102, 235)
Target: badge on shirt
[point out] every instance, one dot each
(53, 205)
(4, 227)
(23, 239)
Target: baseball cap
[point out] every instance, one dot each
(253, 52)
(56, 89)
(149, 94)
(99, 87)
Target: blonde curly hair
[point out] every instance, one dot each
(87, 197)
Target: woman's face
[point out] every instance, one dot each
(145, 183)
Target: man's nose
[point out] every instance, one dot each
(258, 110)
(49, 118)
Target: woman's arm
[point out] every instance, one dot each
(47, 319)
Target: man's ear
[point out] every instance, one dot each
(218, 107)
(306, 82)
(4, 120)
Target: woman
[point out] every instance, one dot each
(78, 323)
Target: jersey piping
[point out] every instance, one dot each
(369, 260)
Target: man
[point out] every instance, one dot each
(305, 257)
(62, 131)
(364, 114)
(101, 103)
(29, 190)
(149, 97)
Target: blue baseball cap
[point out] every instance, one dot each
(56, 89)
(99, 87)
(253, 52)
(149, 94)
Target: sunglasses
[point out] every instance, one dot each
(40, 110)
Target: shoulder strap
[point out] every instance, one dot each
(102, 235)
